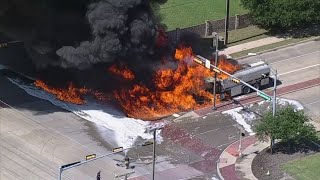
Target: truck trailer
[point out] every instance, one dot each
(256, 74)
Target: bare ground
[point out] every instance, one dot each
(266, 162)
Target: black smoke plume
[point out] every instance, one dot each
(80, 33)
(120, 29)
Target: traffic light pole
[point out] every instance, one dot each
(274, 100)
(75, 164)
(154, 154)
(215, 74)
(154, 131)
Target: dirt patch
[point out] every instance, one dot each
(266, 162)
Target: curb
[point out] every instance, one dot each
(280, 47)
(230, 162)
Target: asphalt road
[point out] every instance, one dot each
(294, 65)
(37, 137)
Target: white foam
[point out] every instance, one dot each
(126, 130)
(296, 104)
(241, 118)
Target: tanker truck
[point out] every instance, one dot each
(256, 74)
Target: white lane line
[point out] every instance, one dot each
(296, 70)
(294, 57)
(315, 102)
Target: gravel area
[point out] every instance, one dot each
(265, 161)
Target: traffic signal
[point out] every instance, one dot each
(3, 45)
(197, 60)
(216, 70)
(236, 80)
(91, 156)
(117, 149)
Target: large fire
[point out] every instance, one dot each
(71, 94)
(172, 89)
(122, 71)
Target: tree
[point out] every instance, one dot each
(289, 125)
(283, 13)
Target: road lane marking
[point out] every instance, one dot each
(294, 57)
(315, 102)
(212, 130)
(296, 70)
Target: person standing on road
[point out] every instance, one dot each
(98, 175)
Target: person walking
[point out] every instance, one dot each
(98, 175)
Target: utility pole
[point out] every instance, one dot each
(227, 22)
(215, 74)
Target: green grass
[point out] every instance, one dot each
(305, 168)
(269, 46)
(239, 36)
(186, 13)
(244, 35)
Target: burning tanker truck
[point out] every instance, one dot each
(255, 74)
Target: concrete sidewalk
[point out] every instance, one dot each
(231, 165)
(251, 45)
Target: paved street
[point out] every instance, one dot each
(298, 64)
(37, 137)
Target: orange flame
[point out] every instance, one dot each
(71, 94)
(226, 65)
(183, 53)
(173, 90)
(122, 71)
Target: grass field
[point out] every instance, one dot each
(246, 34)
(186, 13)
(304, 169)
(269, 46)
